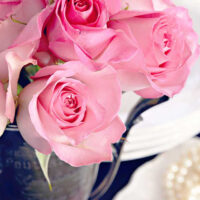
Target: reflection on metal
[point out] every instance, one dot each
(21, 177)
(133, 118)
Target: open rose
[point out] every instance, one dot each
(14, 15)
(77, 30)
(169, 45)
(70, 27)
(73, 112)
(80, 24)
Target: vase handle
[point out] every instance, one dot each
(107, 181)
(133, 118)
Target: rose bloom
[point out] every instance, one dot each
(79, 24)
(168, 43)
(77, 30)
(14, 14)
(72, 111)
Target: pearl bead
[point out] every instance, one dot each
(183, 171)
(183, 177)
(174, 168)
(169, 184)
(170, 176)
(188, 163)
(180, 179)
(189, 183)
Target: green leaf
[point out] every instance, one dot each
(31, 70)
(127, 7)
(59, 62)
(19, 89)
(44, 162)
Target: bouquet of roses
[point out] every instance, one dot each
(65, 63)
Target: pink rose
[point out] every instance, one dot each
(14, 15)
(82, 33)
(169, 45)
(89, 41)
(72, 111)
(80, 24)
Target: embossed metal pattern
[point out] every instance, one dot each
(22, 179)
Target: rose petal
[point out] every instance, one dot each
(114, 130)
(3, 118)
(23, 48)
(15, 64)
(93, 42)
(24, 122)
(149, 93)
(113, 90)
(10, 30)
(120, 49)
(43, 123)
(33, 30)
(48, 129)
(7, 8)
(132, 80)
(113, 6)
(95, 111)
(94, 149)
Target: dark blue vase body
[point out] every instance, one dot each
(21, 177)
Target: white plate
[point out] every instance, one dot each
(148, 138)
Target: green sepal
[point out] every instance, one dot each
(59, 62)
(44, 163)
(51, 2)
(126, 8)
(19, 89)
(31, 70)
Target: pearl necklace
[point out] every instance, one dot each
(183, 177)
